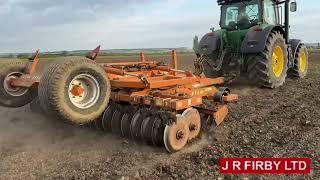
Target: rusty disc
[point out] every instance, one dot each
(116, 119)
(194, 119)
(107, 117)
(157, 131)
(176, 135)
(135, 127)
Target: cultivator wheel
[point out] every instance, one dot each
(11, 96)
(75, 90)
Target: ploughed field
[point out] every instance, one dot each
(284, 122)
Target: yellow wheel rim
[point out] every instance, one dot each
(278, 61)
(303, 61)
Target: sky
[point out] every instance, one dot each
(53, 25)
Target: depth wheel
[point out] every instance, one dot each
(77, 91)
(14, 96)
(176, 135)
(301, 63)
(269, 68)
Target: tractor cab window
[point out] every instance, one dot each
(242, 15)
(269, 12)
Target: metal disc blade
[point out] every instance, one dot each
(176, 135)
(107, 117)
(146, 129)
(116, 121)
(135, 126)
(193, 117)
(126, 122)
(157, 131)
(98, 124)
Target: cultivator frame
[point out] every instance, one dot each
(181, 101)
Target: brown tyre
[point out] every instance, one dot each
(14, 96)
(301, 62)
(75, 90)
(269, 68)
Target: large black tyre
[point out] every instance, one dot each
(77, 91)
(12, 96)
(269, 68)
(301, 62)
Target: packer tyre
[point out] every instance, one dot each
(269, 68)
(14, 96)
(75, 90)
(301, 63)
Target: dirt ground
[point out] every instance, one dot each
(264, 123)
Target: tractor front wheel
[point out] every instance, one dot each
(75, 90)
(269, 68)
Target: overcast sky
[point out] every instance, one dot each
(82, 24)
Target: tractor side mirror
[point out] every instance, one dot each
(293, 6)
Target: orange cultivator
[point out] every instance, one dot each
(144, 100)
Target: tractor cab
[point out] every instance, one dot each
(240, 15)
(246, 14)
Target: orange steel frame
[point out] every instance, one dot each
(148, 83)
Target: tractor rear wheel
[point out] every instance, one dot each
(75, 90)
(14, 96)
(269, 68)
(209, 72)
(300, 68)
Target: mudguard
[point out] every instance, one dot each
(256, 39)
(208, 44)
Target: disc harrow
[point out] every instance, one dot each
(145, 101)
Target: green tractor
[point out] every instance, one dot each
(253, 41)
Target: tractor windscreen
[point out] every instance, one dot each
(240, 15)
